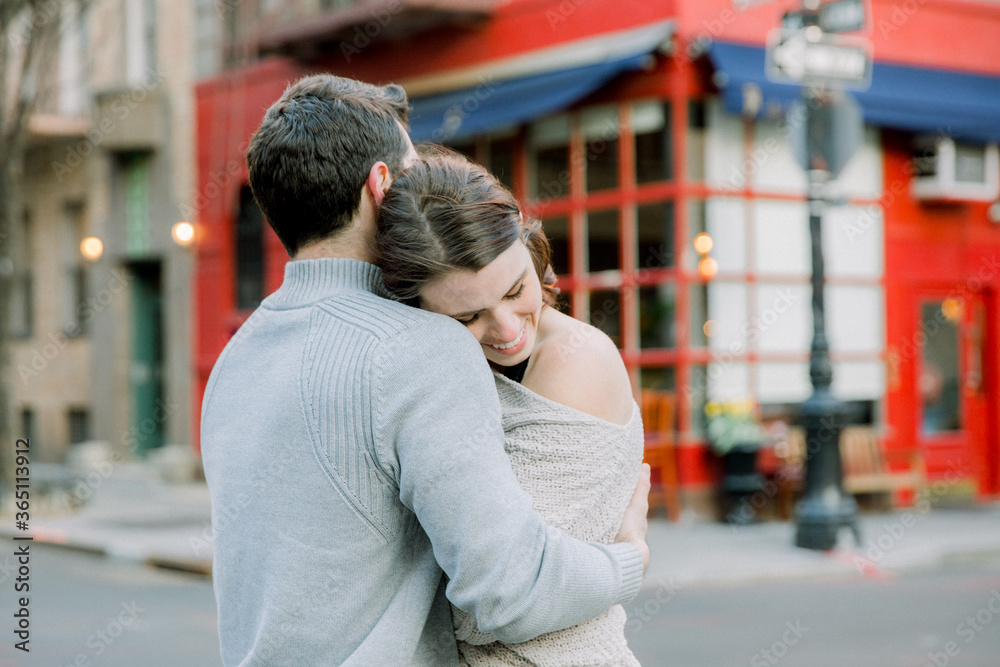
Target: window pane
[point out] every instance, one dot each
(28, 427)
(79, 425)
(605, 307)
(939, 377)
(135, 172)
(656, 316)
(696, 396)
(655, 223)
(74, 272)
(22, 296)
(548, 156)
(502, 160)
(557, 231)
(602, 240)
(662, 378)
(600, 137)
(699, 316)
(696, 226)
(696, 141)
(970, 163)
(653, 145)
(659, 399)
(249, 252)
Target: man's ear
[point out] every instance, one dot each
(379, 181)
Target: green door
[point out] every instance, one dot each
(146, 367)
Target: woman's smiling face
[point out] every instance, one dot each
(500, 304)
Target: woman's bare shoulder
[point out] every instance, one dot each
(577, 365)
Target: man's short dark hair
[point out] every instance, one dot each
(311, 155)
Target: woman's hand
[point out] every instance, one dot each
(634, 525)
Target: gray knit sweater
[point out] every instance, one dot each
(353, 450)
(580, 472)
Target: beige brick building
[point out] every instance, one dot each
(101, 347)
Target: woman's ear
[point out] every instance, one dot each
(379, 181)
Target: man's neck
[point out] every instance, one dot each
(348, 245)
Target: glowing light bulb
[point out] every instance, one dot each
(703, 243)
(183, 234)
(91, 248)
(708, 267)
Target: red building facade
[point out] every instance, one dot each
(629, 130)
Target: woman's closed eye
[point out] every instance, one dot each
(507, 297)
(517, 294)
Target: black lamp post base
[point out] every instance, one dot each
(819, 524)
(825, 507)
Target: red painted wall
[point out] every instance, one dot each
(228, 111)
(950, 249)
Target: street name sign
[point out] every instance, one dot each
(812, 57)
(834, 17)
(842, 16)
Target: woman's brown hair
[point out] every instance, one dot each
(445, 213)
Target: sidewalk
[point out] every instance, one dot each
(134, 516)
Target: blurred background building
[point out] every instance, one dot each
(101, 330)
(632, 128)
(645, 135)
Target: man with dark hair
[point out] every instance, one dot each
(310, 158)
(352, 445)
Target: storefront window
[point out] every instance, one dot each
(600, 136)
(557, 231)
(656, 316)
(699, 315)
(697, 393)
(548, 155)
(655, 227)
(653, 145)
(605, 313)
(602, 240)
(696, 141)
(939, 374)
(661, 378)
(501, 160)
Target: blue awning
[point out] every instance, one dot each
(920, 99)
(492, 105)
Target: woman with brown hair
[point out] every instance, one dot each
(451, 239)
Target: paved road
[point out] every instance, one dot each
(96, 612)
(934, 620)
(88, 611)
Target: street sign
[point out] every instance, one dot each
(828, 133)
(799, 19)
(834, 17)
(842, 16)
(812, 57)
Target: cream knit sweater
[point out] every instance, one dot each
(580, 472)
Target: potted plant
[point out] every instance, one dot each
(735, 436)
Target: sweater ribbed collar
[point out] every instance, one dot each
(311, 280)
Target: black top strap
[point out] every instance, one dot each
(516, 373)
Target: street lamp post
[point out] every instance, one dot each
(824, 508)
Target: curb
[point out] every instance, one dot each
(200, 567)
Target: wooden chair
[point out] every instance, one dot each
(658, 409)
(865, 466)
(791, 473)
